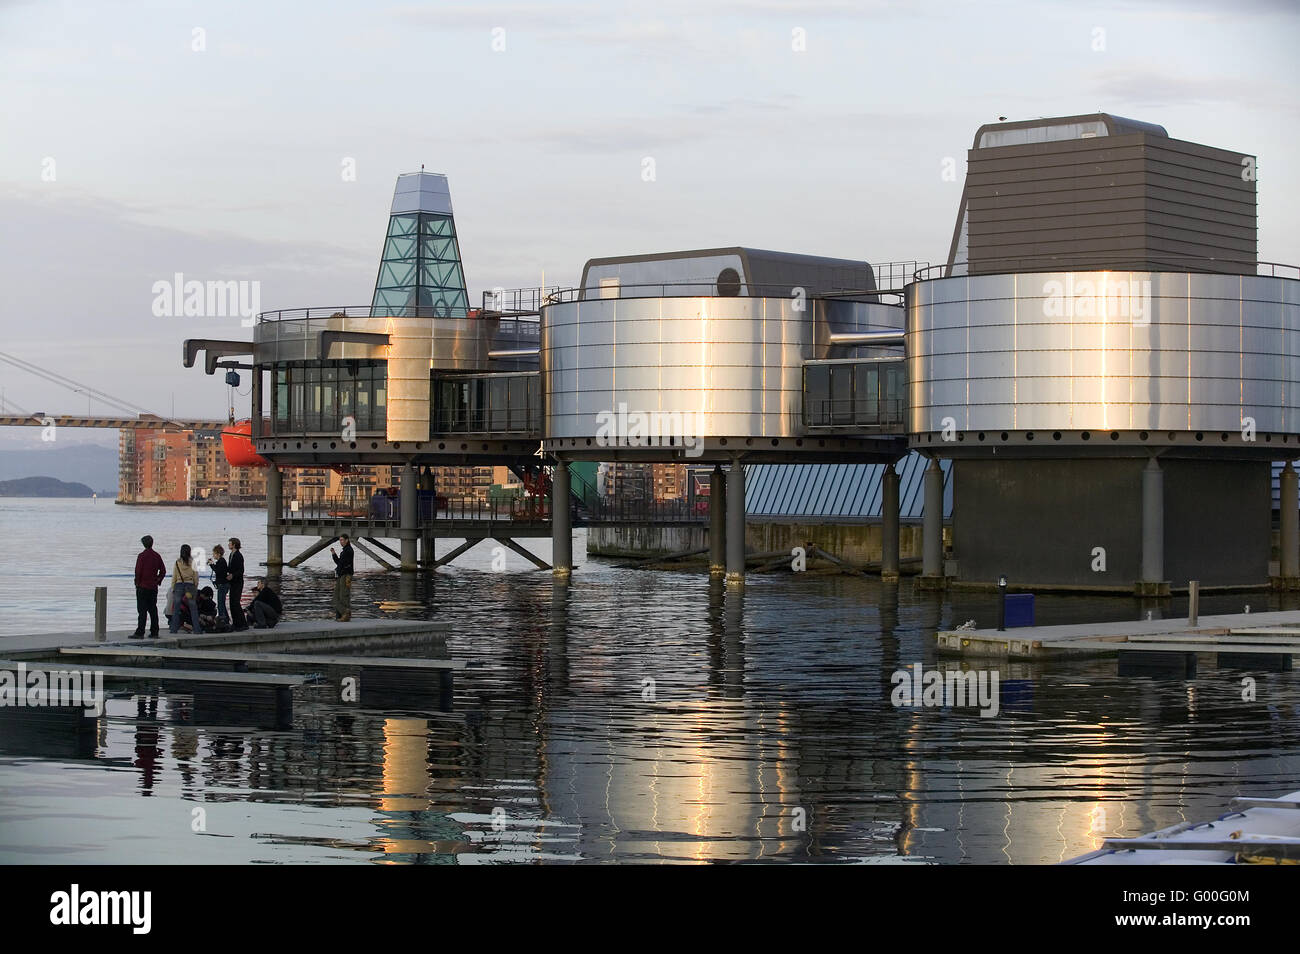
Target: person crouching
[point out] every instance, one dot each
(266, 606)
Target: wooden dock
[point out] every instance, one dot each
(1262, 640)
(244, 678)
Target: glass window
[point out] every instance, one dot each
(280, 415)
(817, 393)
(313, 397)
(866, 394)
(364, 385)
(498, 403)
(347, 393)
(297, 400)
(841, 402)
(329, 418)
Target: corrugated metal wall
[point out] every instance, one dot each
(844, 491)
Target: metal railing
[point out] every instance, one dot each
(1083, 262)
(884, 413)
(705, 288)
(525, 422)
(386, 511)
(624, 510)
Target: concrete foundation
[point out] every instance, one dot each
(1079, 523)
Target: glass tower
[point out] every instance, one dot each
(420, 273)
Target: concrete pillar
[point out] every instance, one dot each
(889, 524)
(717, 522)
(932, 522)
(1289, 502)
(736, 523)
(561, 523)
(409, 518)
(1153, 530)
(274, 512)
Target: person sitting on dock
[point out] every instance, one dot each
(208, 610)
(343, 580)
(266, 606)
(185, 592)
(149, 574)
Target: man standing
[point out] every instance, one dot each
(149, 572)
(343, 580)
(221, 578)
(235, 577)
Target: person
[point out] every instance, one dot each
(185, 592)
(235, 576)
(266, 606)
(343, 580)
(207, 609)
(149, 574)
(221, 580)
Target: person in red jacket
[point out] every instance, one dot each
(149, 573)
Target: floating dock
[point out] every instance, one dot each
(1272, 637)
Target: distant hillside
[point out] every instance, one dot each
(94, 466)
(42, 487)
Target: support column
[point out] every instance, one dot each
(1153, 581)
(1289, 505)
(409, 518)
(735, 531)
(889, 525)
(274, 513)
(932, 527)
(561, 523)
(717, 522)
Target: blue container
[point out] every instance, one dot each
(1020, 609)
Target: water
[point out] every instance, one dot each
(769, 734)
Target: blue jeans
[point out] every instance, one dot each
(223, 590)
(190, 591)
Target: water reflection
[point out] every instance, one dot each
(648, 716)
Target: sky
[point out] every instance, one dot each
(253, 141)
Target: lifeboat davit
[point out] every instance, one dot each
(237, 442)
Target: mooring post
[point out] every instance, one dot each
(101, 613)
(408, 525)
(717, 522)
(736, 523)
(274, 515)
(561, 523)
(1193, 601)
(889, 524)
(1002, 604)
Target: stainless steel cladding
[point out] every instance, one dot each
(715, 366)
(460, 344)
(1113, 351)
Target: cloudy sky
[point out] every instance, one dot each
(141, 139)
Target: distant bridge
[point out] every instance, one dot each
(116, 423)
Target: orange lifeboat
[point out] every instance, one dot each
(237, 442)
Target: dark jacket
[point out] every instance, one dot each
(236, 569)
(149, 570)
(220, 571)
(343, 561)
(270, 598)
(207, 606)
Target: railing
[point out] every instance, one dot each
(886, 414)
(386, 511)
(625, 510)
(704, 288)
(512, 421)
(364, 311)
(1109, 262)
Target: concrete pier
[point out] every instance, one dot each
(736, 523)
(409, 522)
(561, 523)
(932, 528)
(889, 525)
(1289, 506)
(718, 522)
(274, 509)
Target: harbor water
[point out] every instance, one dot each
(632, 715)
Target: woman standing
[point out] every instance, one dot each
(185, 588)
(235, 576)
(221, 579)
